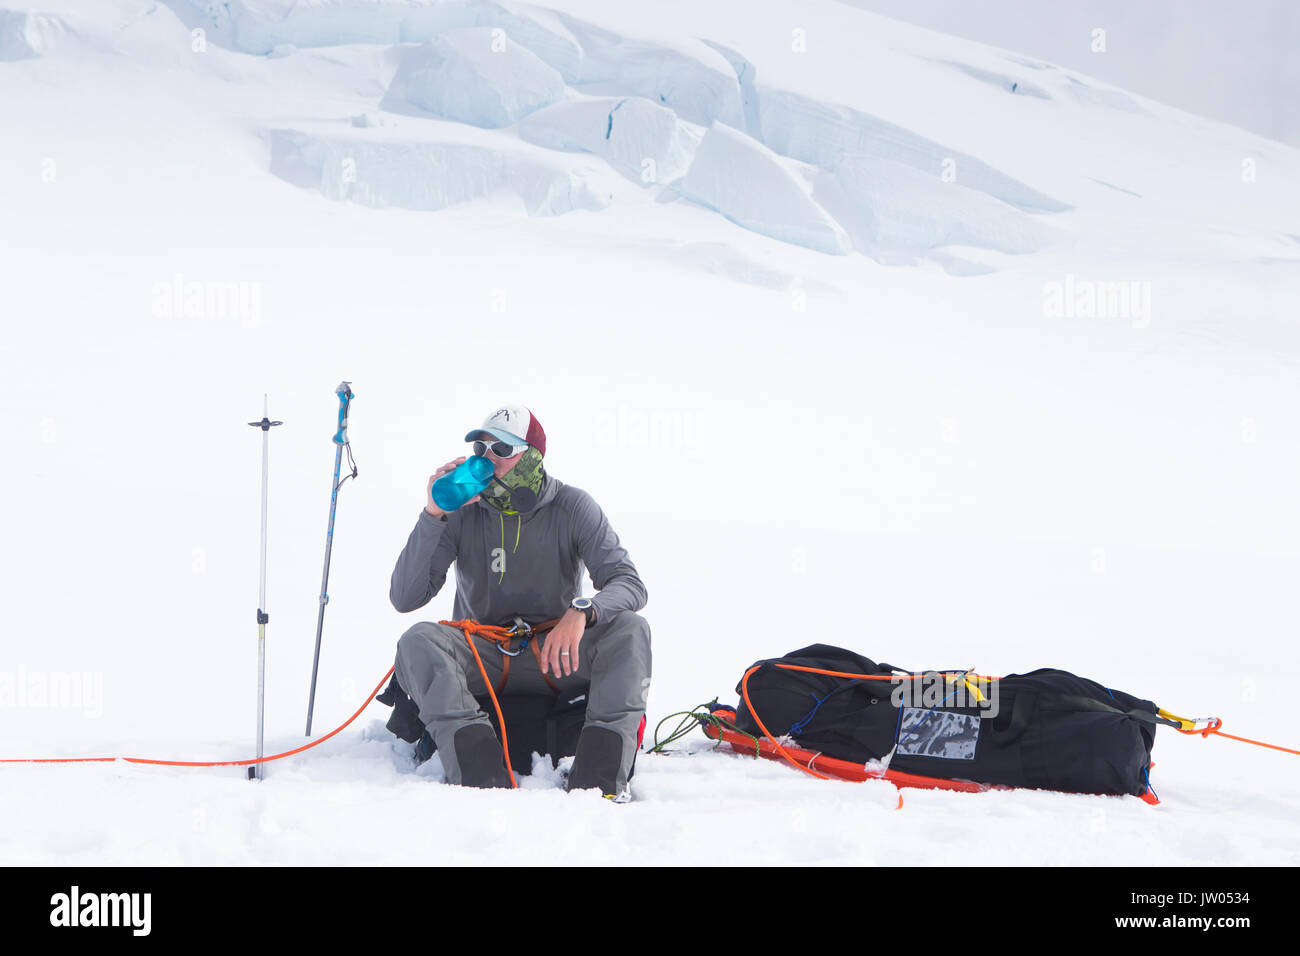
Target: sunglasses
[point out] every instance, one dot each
(500, 449)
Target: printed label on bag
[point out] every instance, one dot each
(937, 733)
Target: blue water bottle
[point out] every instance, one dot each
(463, 482)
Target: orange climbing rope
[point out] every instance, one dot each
(502, 635)
(498, 635)
(1212, 727)
(209, 763)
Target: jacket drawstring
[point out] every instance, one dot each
(520, 519)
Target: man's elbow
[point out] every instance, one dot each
(404, 601)
(635, 588)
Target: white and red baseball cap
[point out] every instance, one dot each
(514, 424)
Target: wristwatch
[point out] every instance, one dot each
(588, 609)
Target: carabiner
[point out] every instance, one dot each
(520, 626)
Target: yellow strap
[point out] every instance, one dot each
(1182, 721)
(965, 679)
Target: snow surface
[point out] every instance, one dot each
(1043, 412)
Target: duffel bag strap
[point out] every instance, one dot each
(1079, 702)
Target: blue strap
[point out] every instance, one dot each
(1147, 777)
(800, 725)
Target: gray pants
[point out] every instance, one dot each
(436, 667)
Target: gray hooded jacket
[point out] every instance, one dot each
(525, 564)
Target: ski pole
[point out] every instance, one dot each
(255, 771)
(344, 392)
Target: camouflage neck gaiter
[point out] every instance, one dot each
(522, 486)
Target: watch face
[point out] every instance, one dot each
(582, 603)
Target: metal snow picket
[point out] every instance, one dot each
(255, 771)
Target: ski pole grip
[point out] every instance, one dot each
(344, 392)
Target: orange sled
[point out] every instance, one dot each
(843, 769)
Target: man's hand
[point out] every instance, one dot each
(560, 655)
(429, 506)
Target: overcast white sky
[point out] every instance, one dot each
(1231, 60)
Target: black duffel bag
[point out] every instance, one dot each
(1047, 729)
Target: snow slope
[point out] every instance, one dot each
(857, 332)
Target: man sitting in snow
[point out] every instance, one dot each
(532, 572)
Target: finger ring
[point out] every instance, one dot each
(564, 653)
